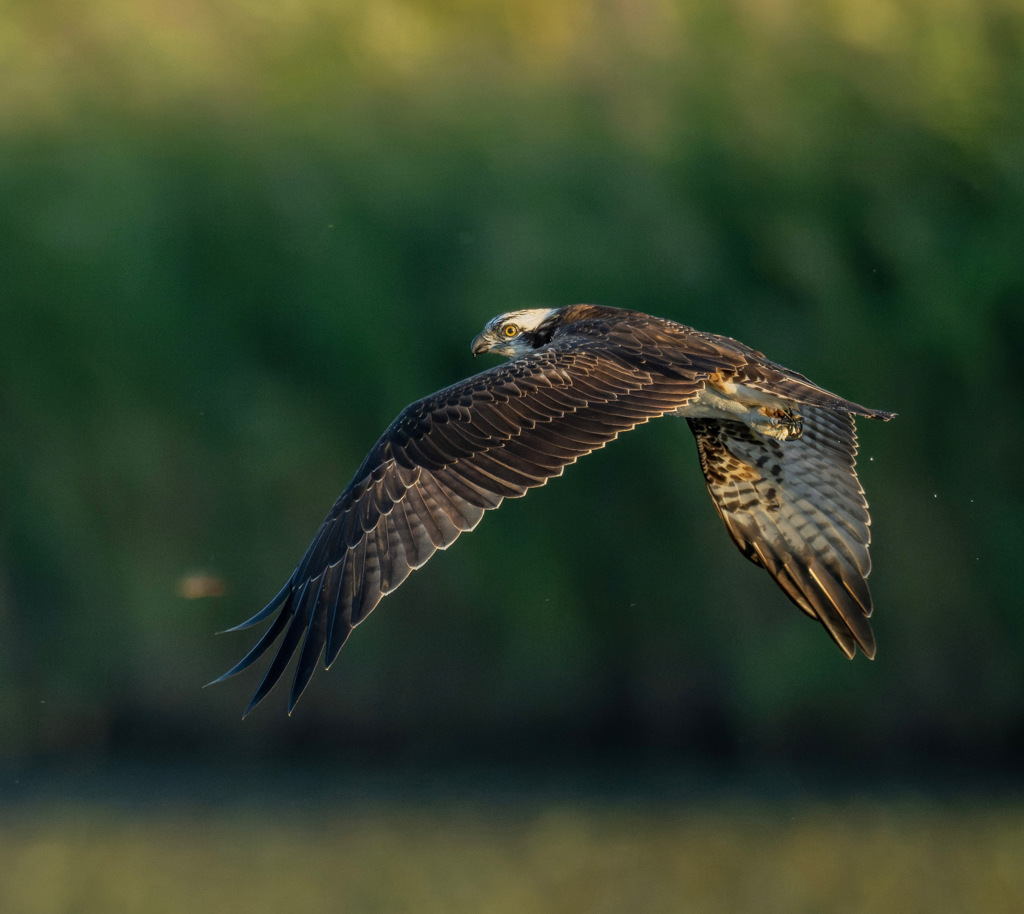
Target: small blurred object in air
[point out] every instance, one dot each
(199, 584)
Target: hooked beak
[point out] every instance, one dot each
(481, 343)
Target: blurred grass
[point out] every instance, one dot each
(909, 856)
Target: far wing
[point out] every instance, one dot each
(797, 509)
(447, 459)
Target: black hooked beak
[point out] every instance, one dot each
(481, 344)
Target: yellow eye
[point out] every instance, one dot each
(510, 330)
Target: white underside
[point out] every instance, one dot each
(730, 401)
(738, 402)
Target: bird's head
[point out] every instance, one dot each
(514, 333)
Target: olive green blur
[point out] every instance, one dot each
(237, 239)
(847, 857)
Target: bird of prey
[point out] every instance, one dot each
(777, 452)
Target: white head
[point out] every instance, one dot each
(514, 333)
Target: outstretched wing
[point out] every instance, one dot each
(797, 509)
(450, 457)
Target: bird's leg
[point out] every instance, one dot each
(767, 415)
(781, 423)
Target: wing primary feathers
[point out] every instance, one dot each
(577, 377)
(268, 638)
(283, 655)
(313, 646)
(836, 595)
(338, 629)
(263, 613)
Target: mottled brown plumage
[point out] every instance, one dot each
(777, 453)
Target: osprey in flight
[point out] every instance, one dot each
(777, 453)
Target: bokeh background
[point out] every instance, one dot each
(238, 237)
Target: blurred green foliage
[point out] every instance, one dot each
(238, 238)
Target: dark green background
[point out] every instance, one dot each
(234, 244)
